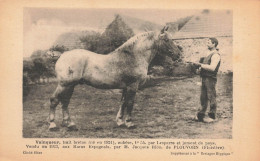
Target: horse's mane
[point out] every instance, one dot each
(129, 44)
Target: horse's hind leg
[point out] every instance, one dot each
(54, 100)
(120, 114)
(62, 94)
(65, 97)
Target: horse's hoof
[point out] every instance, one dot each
(130, 125)
(72, 127)
(120, 122)
(53, 127)
(65, 123)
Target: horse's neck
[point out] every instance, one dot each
(144, 49)
(154, 48)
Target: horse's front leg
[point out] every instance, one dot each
(129, 101)
(120, 114)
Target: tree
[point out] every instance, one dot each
(177, 25)
(117, 33)
(91, 41)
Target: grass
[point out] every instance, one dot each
(164, 110)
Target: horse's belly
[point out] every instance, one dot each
(103, 80)
(103, 84)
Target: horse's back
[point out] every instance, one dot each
(75, 54)
(114, 70)
(82, 65)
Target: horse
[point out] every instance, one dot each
(125, 68)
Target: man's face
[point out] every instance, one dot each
(210, 44)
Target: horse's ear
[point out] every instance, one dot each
(166, 28)
(162, 31)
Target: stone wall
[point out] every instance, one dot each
(193, 49)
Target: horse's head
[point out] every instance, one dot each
(166, 45)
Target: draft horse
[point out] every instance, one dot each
(125, 68)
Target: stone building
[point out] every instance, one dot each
(193, 35)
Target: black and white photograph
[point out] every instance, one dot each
(127, 73)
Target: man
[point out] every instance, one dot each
(208, 71)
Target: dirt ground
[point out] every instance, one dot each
(164, 110)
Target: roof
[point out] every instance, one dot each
(217, 23)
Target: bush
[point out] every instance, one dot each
(59, 48)
(41, 65)
(26, 88)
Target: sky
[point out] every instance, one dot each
(42, 26)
